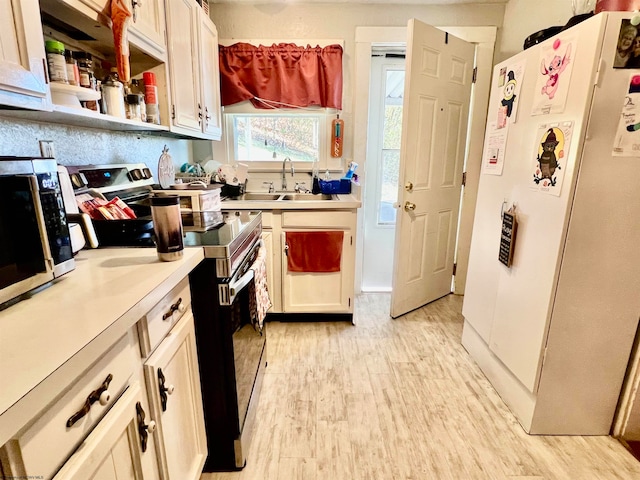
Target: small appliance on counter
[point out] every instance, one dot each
(35, 243)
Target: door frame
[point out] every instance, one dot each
(485, 39)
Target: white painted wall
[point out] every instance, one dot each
(339, 21)
(524, 17)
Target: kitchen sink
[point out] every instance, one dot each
(305, 196)
(258, 196)
(284, 196)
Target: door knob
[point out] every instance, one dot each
(409, 207)
(408, 186)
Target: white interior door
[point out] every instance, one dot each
(439, 69)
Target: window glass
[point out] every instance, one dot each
(260, 138)
(392, 134)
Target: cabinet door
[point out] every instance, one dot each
(319, 292)
(114, 448)
(267, 239)
(23, 80)
(147, 28)
(174, 390)
(210, 78)
(182, 17)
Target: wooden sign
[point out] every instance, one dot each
(508, 238)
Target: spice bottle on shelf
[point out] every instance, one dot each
(137, 88)
(87, 77)
(56, 62)
(73, 74)
(113, 95)
(151, 97)
(133, 107)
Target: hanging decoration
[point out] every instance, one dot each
(337, 132)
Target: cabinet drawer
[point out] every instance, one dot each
(161, 318)
(267, 219)
(41, 449)
(314, 219)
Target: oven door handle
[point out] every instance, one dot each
(228, 292)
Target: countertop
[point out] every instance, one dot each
(338, 202)
(53, 336)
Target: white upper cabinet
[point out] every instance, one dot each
(184, 72)
(147, 27)
(193, 71)
(210, 88)
(23, 80)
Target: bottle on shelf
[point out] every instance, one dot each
(73, 74)
(151, 97)
(87, 77)
(55, 61)
(113, 95)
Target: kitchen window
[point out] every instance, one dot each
(261, 138)
(279, 101)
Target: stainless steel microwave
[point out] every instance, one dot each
(35, 246)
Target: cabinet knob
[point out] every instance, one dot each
(151, 427)
(164, 390)
(104, 398)
(144, 429)
(101, 395)
(176, 307)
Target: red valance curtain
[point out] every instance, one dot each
(284, 74)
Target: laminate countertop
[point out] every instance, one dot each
(52, 337)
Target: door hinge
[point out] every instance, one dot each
(455, 267)
(464, 179)
(475, 75)
(173, 112)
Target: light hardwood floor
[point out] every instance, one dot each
(400, 399)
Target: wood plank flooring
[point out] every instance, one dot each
(400, 400)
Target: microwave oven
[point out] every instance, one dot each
(35, 246)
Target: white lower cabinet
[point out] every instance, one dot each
(316, 292)
(135, 413)
(118, 448)
(176, 402)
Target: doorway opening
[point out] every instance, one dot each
(383, 164)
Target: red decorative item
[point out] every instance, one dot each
(617, 5)
(337, 132)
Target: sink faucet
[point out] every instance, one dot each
(284, 178)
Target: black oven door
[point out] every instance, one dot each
(232, 357)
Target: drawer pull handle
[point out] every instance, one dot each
(100, 395)
(164, 391)
(178, 306)
(144, 429)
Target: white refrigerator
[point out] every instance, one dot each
(553, 331)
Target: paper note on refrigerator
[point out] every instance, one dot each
(552, 151)
(494, 149)
(508, 84)
(553, 81)
(627, 140)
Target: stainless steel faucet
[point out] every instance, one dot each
(284, 177)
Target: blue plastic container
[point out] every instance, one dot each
(330, 187)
